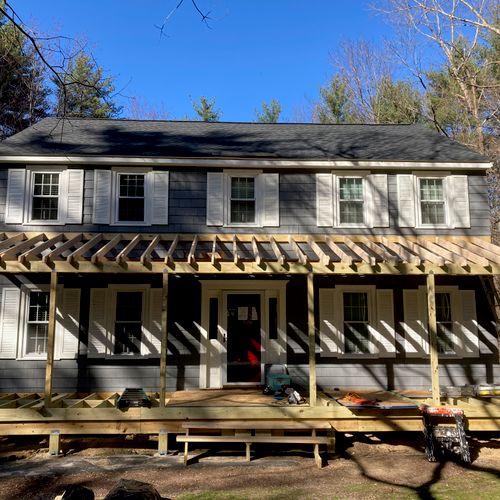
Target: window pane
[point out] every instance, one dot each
(132, 186)
(433, 213)
(356, 332)
(351, 188)
(243, 188)
(46, 185)
(357, 338)
(36, 343)
(431, 190)
(129, 306)
(444, 323)
(351, 212)
(242, 211)
(131, 209)
(131, 197)
(355, 307)
(39, 306)
(44, 208)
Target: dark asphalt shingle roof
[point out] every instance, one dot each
(133, 138)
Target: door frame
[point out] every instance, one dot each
(213, 369)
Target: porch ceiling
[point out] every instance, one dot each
(250, 254)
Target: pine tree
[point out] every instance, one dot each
(23, 93)
(86, 92)
(206, 110)
(270, 112)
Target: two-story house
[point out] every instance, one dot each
(177, 255)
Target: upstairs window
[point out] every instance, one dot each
(351, 201)
(128, 323)
(45, 203)
(242, 200)
(444, 321)
(37, 324)
(432, 201)
(131, 198)
(356, 322)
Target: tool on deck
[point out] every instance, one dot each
(440, 437)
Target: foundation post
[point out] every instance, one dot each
(164, 339)
(49, 367)
(433, 344)
(312, 340)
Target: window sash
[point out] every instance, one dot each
(131, 197)
(45, 196)
(242, 200)
(128, 322)
(432, 200)
(445, 336)
(37, 331)
(351, 200)
(357, 337)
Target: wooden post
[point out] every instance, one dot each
(312, 340)
(164, 339)
(54, 443)
(433, 344)
(49, 368)
(163, 442)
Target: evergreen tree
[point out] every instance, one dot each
(23, 94)
(270, 112)
(206, 110)
(86, 92)
(334, 106)
(396, 102)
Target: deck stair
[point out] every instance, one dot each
(259, 431)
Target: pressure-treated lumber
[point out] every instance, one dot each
(49, 369)
(312, 340)
(433, 343)
(164, 339)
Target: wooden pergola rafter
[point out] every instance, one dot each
(252, 253)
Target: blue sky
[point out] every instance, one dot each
(254, 51)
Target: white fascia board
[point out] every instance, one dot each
(244, 163)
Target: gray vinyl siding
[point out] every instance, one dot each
(297, 203)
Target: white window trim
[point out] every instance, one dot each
(228, 175)
(371, 291)
(336, 197)
(445, 176)
(148, 191)
(23, 320)
(62, 197)
(113, 290)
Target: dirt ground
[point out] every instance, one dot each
(367, 467)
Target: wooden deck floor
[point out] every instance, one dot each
(97, 413)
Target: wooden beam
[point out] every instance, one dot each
(84, 248)
(146, 256)
(236, 253)
(423, 253)
(443, 252)
(403, 254)
(433, 344)
(101, 253)
(8, 242)
(303, 259)
(192, 251)
(312, 340)
(324, 258)
(164, 339)
(483, 252)
(30, 254)
(365, 256)
(169, 258)
(21, 247)
(122, 256)
(467, 254)
(61, 249)
(280, 257)
(255, 250)
(344, 257)
(378, 250)
(49, 369)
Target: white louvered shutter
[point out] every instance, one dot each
(99, 340)
(102, 196)
(155, 303)
(415, 323)
(377, 186)
(215, 199)
(68, 324)
(384, 332)
(459, 210)
(329, 331)
(16, 189)
(406, 200)
(9, 326)
(468, 327)
(324, 200)
(159, 204)
(74, 197)
(270, 204)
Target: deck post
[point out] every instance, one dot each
(164, 339)
(433, 344)
(49, 367)
(312, 339)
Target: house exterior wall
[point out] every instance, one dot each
(297, 209)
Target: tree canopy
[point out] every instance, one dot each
(206, 110)
(270, 113)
